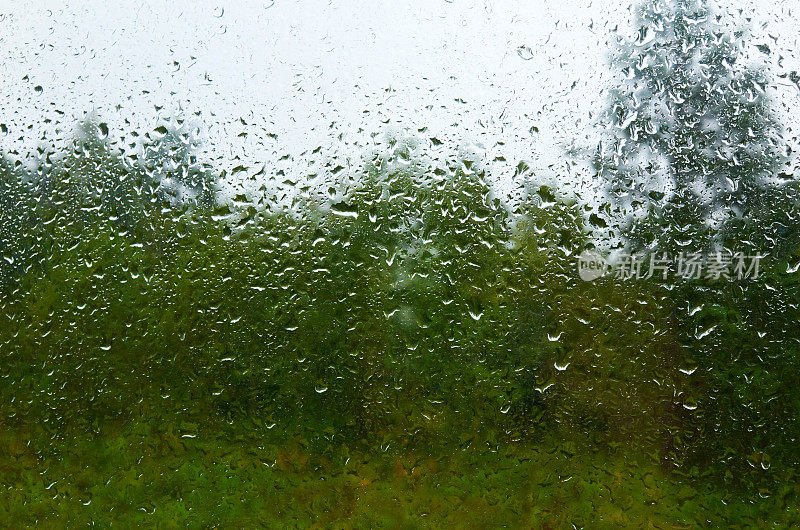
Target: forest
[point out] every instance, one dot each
(401, 345)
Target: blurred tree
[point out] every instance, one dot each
(694, 140)
(16, 205)
(170, 161)
(694, 164)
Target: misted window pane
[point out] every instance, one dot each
(399, 264)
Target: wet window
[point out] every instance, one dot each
(394, 264)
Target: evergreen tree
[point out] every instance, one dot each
(694, 140)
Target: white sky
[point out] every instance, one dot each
(329, 75)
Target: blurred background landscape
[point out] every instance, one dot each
(333, 281)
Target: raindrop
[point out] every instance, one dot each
(525, 53)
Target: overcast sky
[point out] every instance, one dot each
(270, 82)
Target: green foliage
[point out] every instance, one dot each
(694, 139)
(411, 351)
